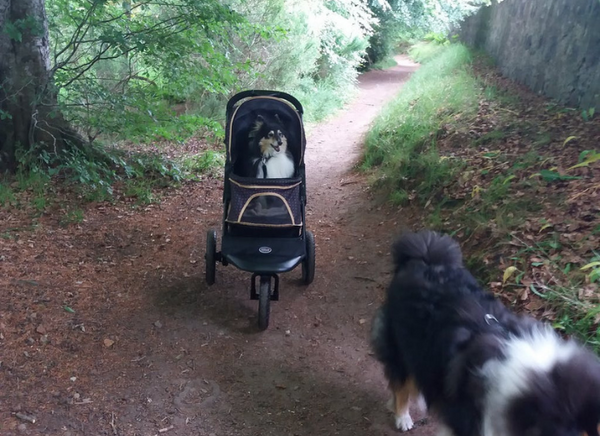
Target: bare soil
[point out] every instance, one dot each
(108, 328)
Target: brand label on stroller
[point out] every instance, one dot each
(265, 250)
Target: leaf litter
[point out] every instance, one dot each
(526, 205)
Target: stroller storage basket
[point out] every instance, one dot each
(265, 202)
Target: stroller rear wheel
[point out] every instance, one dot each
(264, 302)
(211, 256)
(308, 264)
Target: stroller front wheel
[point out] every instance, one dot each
(308, 264)
(264, 302)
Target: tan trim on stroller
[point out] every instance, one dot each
(262, 194)
(264, 186)
(272, 98)
(264, 225)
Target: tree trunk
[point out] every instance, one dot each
(29, 114)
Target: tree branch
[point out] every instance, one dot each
(131, 77)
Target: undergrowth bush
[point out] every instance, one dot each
(315, 57)
(92, 173)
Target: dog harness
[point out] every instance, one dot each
(493, 322)
(264, 165)
(489, 318)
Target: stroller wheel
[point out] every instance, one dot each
(264, 302)
(210, 256)
(308, 264)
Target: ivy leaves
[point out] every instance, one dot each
(18, 28)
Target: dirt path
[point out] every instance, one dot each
(107, 327)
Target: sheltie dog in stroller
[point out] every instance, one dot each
(273, 160)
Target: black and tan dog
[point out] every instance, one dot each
(269, 144)
(483, 370)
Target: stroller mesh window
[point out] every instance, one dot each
(265, 203)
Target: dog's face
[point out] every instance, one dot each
(565, 402)
(271, 138)
(274, 142)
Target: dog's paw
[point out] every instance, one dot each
(404, 422)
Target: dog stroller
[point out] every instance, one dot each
(264, 228)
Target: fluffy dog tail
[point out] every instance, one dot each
(426, 246)
(380, 336)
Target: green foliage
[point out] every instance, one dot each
(16, 29)
(7, 195)
(588, 114)
(576, 311)
(323, 98)
(209, 162)
(491, 136)
(583, 327)
(415, 19)
(385, 63)
(402, 141)
(153, 166)
(554, 176)
(314, 57)
(36, 182)
(592, 269)
(72, 216)
(141, 190)
(91, 172)
(438, 38)
(119, 66)
(423, 52)
(122, 68)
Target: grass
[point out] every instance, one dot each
(72, 216)
(423, 52)
(7, 195)
(402, 144)
(141, 190)
(209, 162)
(491, 92)
(323, 99)
(36, 182)
(385, 63)
(492, 136)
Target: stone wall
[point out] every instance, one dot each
(551, 46)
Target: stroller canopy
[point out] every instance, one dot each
(242, 112)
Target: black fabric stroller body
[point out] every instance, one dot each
(264, 228)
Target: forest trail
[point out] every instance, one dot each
(109, 329)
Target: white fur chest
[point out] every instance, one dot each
(279, 166)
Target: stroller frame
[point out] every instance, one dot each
(264, 248)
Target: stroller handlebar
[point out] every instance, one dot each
(260, 93)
